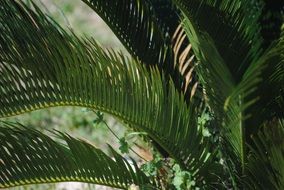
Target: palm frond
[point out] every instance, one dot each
(270, 90)
(43, 66)
(30, 157)
(233, 27)
(146, 29)
(266, 159)
(167, 16)
(219, 85)
(229, 95)
(135, 24)
(227, 98)
(168, 19)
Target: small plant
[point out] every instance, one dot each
(203, 87)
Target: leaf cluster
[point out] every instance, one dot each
(204, 82)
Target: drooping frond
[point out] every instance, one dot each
(135, 24)
(41, 66)
(218, 83)
(168, 18)
(30, 157)
(145, 28)
(266, 159)
(230, 80)
(228, 98)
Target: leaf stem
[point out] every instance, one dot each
(242, 134)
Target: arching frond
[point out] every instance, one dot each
(30, 157)
(43, 66)
(270, 90)
(232, 26)
(135, 24)
(231, 91)
(146, 29)
(219, 85)
(182, 60)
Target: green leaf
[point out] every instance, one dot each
(28, 157)
(124, 147)
(42, 66)
(182, 179)
(233, 28)
(136, 20)
(151, 168)
(100, 117)
(146, 29)
(270, 90)
(229, 69)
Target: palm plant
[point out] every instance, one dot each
(188, 58)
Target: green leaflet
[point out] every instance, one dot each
(134, 25)
(146, 29)
(232, 25)
(28, 156)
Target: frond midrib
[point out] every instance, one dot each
(62, 180)
(121, 117)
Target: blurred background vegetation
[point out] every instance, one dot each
(79, 122)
